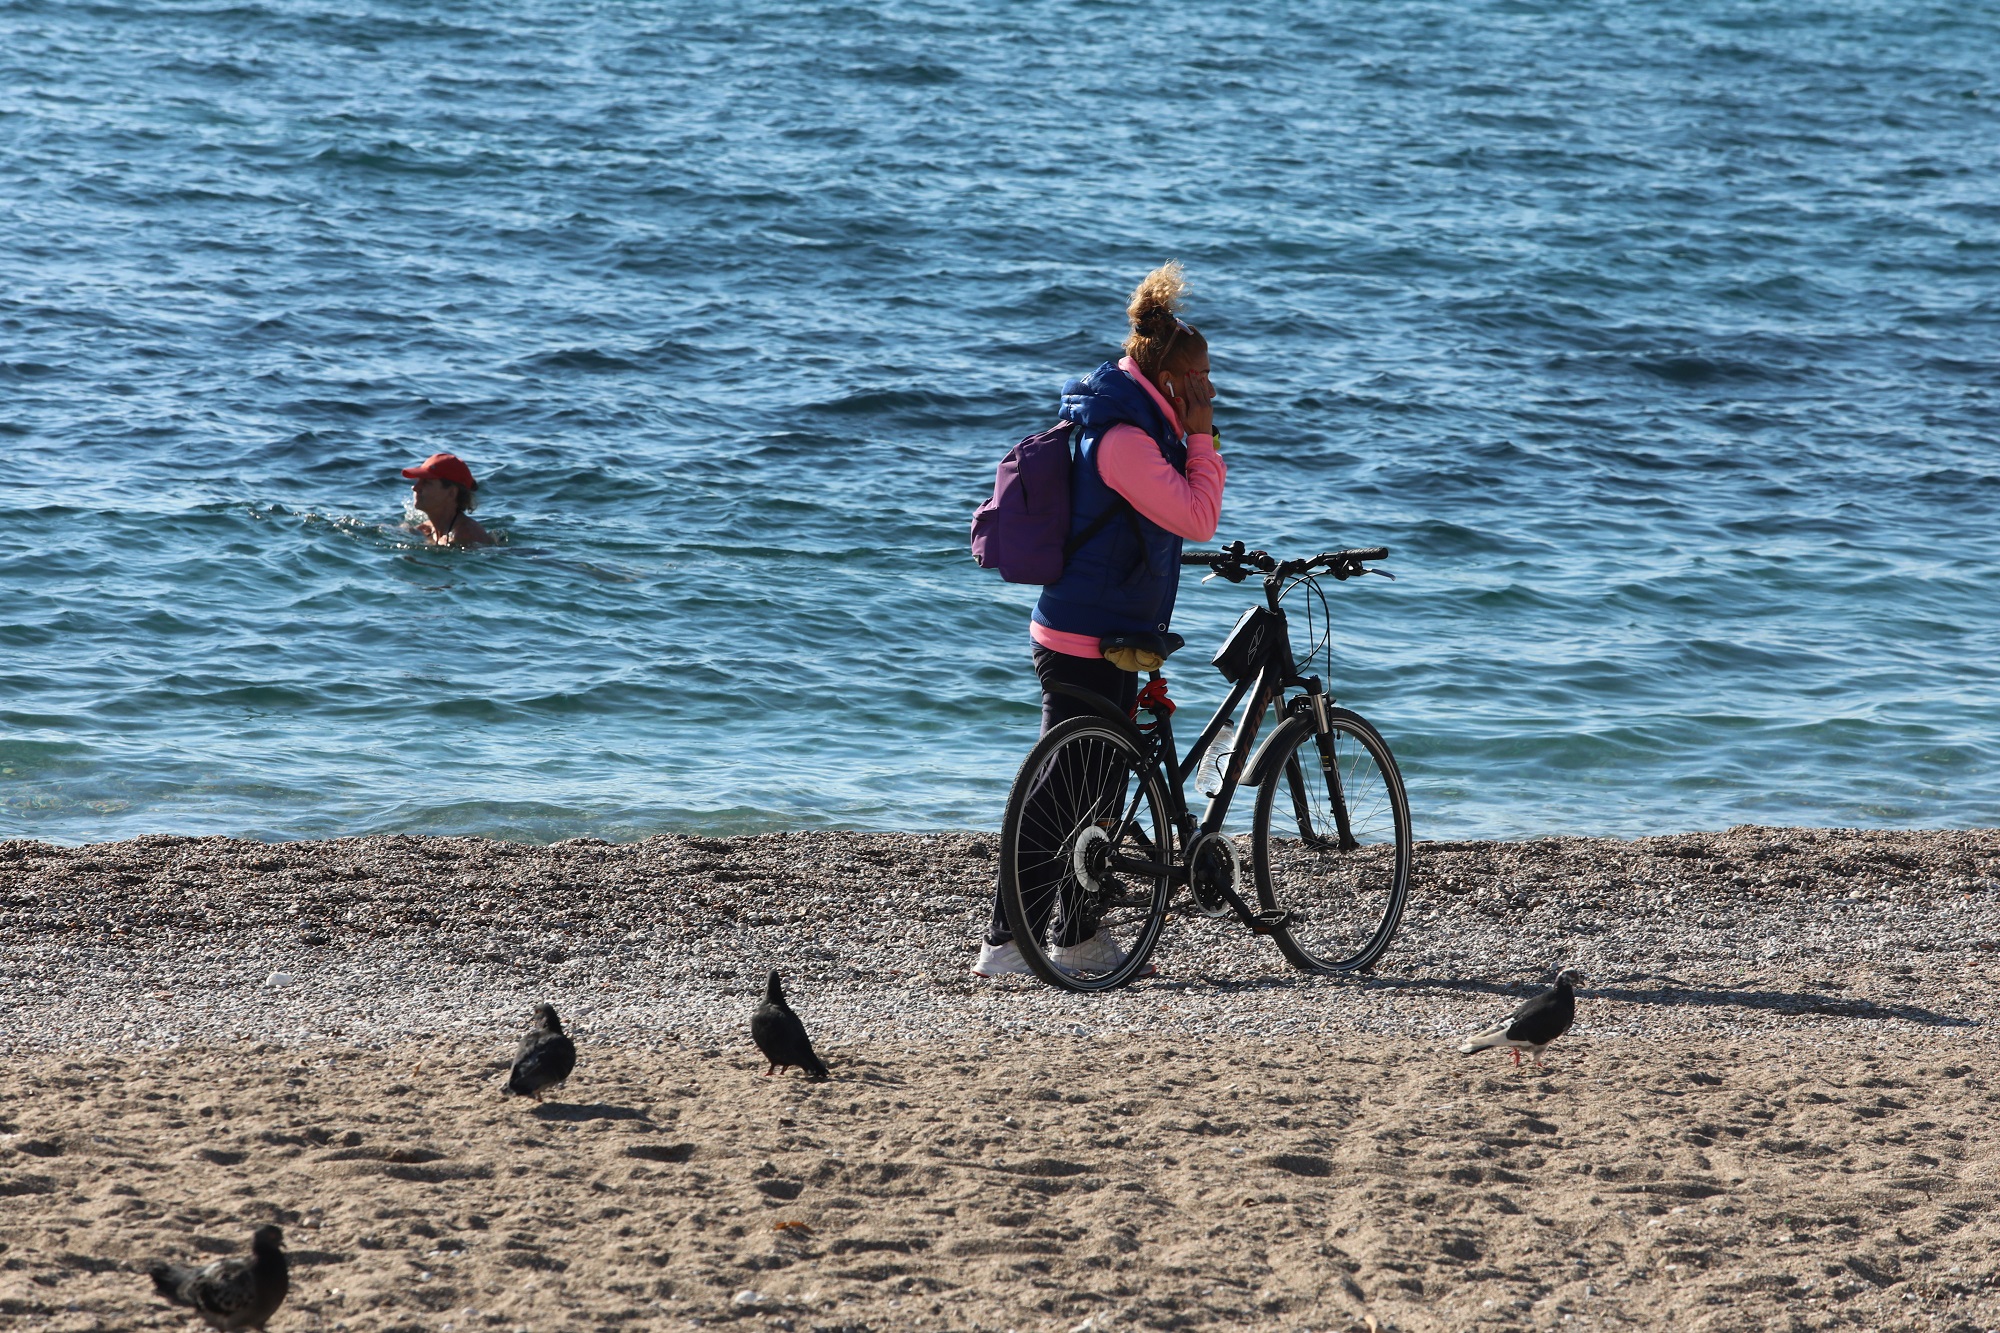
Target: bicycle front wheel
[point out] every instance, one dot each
(1331, 842)
(1082, 850)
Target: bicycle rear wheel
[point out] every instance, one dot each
(1086, 798)
(1330, 842)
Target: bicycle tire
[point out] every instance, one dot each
(1344, 904)
(1077, 801)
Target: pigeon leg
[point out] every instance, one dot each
(772, 1070)
(1517, 1057)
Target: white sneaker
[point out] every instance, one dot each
(1001, 960)
(1099, 953)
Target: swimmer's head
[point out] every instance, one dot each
(1160, 339)
(448, 471)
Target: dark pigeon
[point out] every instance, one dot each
(544, 1058)
(781, 1037)
(235, 1293)
(1536, 1023)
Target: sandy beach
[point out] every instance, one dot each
(1776, 1109)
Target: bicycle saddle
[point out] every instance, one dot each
(1139, 652)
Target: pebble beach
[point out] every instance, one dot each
(165, 940)
(1775, 1110)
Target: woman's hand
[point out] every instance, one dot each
(1193, 397)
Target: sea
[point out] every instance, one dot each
(1658, 342)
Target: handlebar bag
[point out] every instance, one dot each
(1249, 641)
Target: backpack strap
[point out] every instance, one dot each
(1098, 524)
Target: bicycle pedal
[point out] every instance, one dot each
(1263, 923)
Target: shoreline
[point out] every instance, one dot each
(396, 937)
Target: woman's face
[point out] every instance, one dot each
(430, 495)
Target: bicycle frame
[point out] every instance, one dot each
(1264, 688)
(1269, 685)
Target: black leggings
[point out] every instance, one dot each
(1090, 673)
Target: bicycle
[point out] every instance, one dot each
(1098, 833)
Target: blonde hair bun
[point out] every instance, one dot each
(1156, 300)
(1154, 313)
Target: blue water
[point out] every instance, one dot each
(1659, 342)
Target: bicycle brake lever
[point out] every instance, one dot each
(1383, 572)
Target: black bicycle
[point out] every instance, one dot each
(1098, 834)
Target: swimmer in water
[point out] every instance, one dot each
(443, 493)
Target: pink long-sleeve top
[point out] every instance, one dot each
(1131, 464)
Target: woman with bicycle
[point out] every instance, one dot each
(1147, 474)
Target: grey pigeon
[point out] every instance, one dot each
(234, 1293)
(781, 1037)
(544, 1058)
(1536, 1023)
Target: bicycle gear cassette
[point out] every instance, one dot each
(1087, 858)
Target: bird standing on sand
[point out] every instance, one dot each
(1536, 1023)
(236, 1293)
(544, 1058)
(781, 1037)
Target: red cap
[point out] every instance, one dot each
(445, 467)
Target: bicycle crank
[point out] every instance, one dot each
(1215, 874)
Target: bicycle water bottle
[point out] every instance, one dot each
(1208, 773)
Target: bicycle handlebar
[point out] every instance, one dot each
(1217, 560)
(1234, 563)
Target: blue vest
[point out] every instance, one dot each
(1123, 580)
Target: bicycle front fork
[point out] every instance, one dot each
(1320, 707)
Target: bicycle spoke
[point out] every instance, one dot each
(1295, 785)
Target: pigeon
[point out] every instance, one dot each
(1535, 1024)
(781, 1037)
(544, 1058)
(235, 1293)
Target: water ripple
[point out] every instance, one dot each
(1660, 350)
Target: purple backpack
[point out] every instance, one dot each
(1023, 530)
